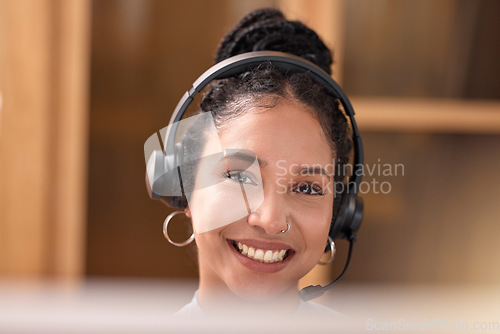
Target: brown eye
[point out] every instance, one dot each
(308, 189)
(240, 177)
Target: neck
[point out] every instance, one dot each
(219, 300)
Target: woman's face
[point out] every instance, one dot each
(297, 178)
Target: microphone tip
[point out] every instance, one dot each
(311, 292)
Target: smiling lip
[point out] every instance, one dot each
(266, 264)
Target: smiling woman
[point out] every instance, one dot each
(257, 177)
(305, 215)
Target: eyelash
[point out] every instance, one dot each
(317, 191)
(231, 174)
(313, 189)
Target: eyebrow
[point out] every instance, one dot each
(314, 170)
(241, 155)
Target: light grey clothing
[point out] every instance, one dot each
(193, 309)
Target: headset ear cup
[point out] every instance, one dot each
(164, 183)
(349, 217)
(163, 179)
(357, 216)
(155, 169)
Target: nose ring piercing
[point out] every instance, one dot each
(288, 229)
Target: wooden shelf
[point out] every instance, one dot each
(427, 115)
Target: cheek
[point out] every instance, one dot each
(221, 204)
(209, 246)
(314, 226)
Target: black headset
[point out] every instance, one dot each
(348, 219)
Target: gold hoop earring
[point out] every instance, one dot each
(333, 250)
(165, 231)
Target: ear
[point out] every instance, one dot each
(187, 212)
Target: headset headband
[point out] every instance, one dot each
(282, 61)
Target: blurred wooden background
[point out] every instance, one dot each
(84, 84)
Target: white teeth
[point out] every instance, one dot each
(267, 256)
(259, 255)
(251, 252)
(281, 254)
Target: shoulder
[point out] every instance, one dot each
(308, 309)
(192, 309)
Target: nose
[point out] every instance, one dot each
(272, 215)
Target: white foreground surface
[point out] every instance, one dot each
(144, 306)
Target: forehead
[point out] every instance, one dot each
(288, 131)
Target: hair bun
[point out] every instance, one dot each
(268, 30)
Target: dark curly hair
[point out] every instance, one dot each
(268, 30)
